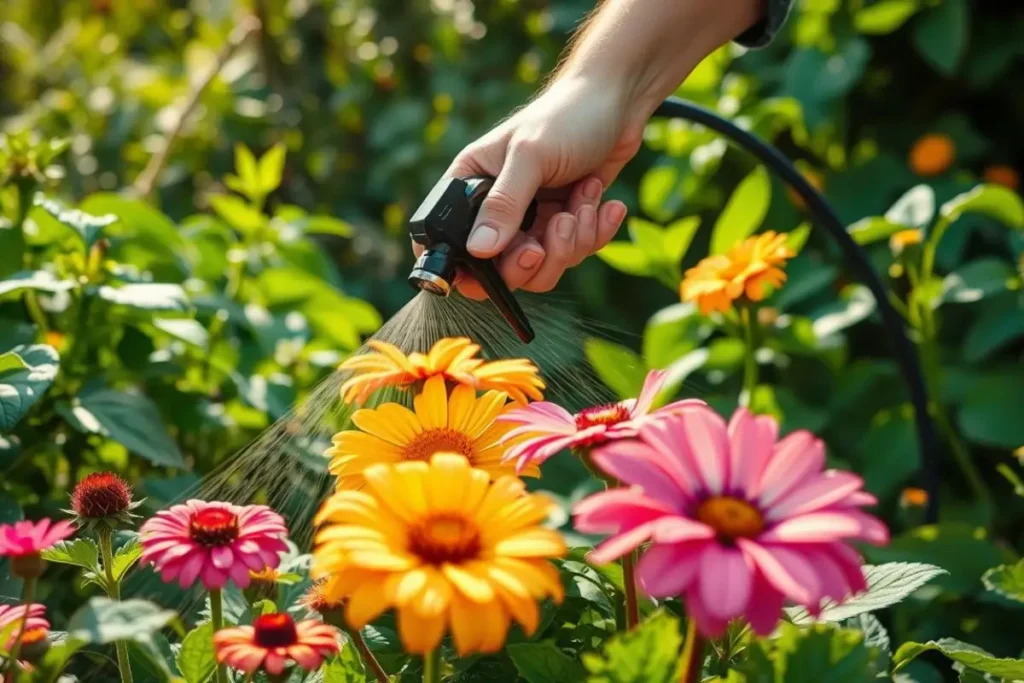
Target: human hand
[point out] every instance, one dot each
(564, 148)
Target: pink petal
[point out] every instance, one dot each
(794, 458)
(611, 511)
(707, 624)
(826, 526)
(833, 580)
(698, 440)
(751, 440)
(788, 571)
(541, 416)
(240, 575)
(190, 569)
(274, 663)
(618, 545)
(638, 464)
(816, 492)
(213, 577)
(725, 581)
(765, 606)
(676, 529)
(652, 385)
(304, 656)
(666, 571)
(859, 499)
(851, 563)
(540, 449)
(222, 557)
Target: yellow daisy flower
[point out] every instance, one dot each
(744, 271)
(444, 548)
(454, 358)
(461, 423)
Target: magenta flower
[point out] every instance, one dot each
(13, 614)
(547, 429)
(738, 521)
(31, 538)
(214, 542)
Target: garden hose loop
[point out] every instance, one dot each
(823, 215)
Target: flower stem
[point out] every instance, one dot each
(114, 593)
(749, 361)
(629, 586)
(368, 659)
(432, 666)
(692, 660)
(27, 593)
(217, 619)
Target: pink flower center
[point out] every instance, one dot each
(731, 517)
(608, 414)
(445, 537)
(275, 630)
(213, 527)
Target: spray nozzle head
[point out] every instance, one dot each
(442, 225)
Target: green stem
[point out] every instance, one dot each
(368, 659)
(27, 593)
(114, 593)
(217, 619)
(692, 660)
(432, 666)
(750, 362)
(629, 585)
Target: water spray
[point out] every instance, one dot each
(443, 222)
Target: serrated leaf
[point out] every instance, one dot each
(626, 257)
(915, 209)
(81, 552)
(888, 584)
(965, 653)
(543, 662)
(196, 660)
(744, 211)
(87, 226)
(1006, 580)
(102, 621)
(168, 298)
(126, 557)
(647, 654)
(27, 372)
(811, 655)
(347, 667)
(994, 201)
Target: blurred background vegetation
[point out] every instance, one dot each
(205, 287)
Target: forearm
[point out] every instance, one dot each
(646, 48)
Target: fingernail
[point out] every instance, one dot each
(528, 259)
(586, 214)
(592, 189)
(564, 227)
(483, 238)
(618, 212)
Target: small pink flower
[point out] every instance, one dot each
(547, 429)
(31, 538)
(738, 521)
(13, 614)
(273, 642)
(214, 542)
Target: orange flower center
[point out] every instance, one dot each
(440, 440)
(33, 636)
(316, 599)
(267, 575)
(274, 630)
(608, 414)
(213, 527)
(445, 537)
(731, 517)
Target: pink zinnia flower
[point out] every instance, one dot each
(738, 522)
(13, 614)
(273, 641)
(547, 429)
(31, 538)
(215, 542)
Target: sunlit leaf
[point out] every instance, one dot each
(88, 227)
(26, 372)
(618, 367)
(647, 654)
(888, 584)
(744, 212)
(626, 257)
(1007, 580)
(994, 201)
(238, 214)
(915, 209)
(168, 298)
(80, 552)
(102, 621)
(884, 17)
(195, 659)
(965, 653)
(271, 166)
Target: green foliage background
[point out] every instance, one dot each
(159, 332)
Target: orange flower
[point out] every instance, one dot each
(273, 641)
(745, 270)
(932, 154)
(911, 498)
(1001, 174)
(816, 180)
(454, 358)
(905, 238)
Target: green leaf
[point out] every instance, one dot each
(185, 329)
(543, 662)
(81, 552)
(132, 420)
(659, 192)
(126, 557)
(968, 655)
(347, 667)
(195, 659)
(326, 225)
(36, 280)
(271, 166)
(888, 584)
(884, 17)
(26, 372)
(678, 237)
(102, 621)
(818, 653)
(673, 332)
(248, 180)
(1006, 580)
(238, 214)
(915, 209)
(797, 237)
(977, 280)
(994, 201)
(873, 229)
(649, 237)
(88, 227)
(618, 367)
(10, 511)
(165, 298)
(855, 304)
(626, 257)
(744, 211)
(992, 418)
(1001, 323)
(647, 654)
(940, 35)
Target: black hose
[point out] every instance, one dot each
(824, 216)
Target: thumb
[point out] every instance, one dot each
(502, 211)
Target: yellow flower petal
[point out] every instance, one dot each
(435, 596)
(461, 406)
(391, 422)
(365, 604)
(532, 543)
(432, 404)
(468, 582)
(465, 632)
(420, 635)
